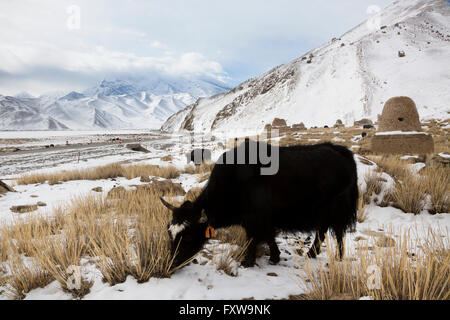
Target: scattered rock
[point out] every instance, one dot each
(24, 208)
(145, 179)
(97, 189)
(401, 54)
(272, 274)
(34, 196)
(4, 188)
(163, 187)
(167, 158)
(41, 204)
(137, 147)
(359, 238)
(362, 122)
(115, 193)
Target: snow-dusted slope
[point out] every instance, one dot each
(348, 78)
(24, 114)
(114, 104)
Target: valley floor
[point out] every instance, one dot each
(380, 229)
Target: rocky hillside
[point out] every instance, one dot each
(348, 78)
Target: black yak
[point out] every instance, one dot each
(198, 156)
(314, 189)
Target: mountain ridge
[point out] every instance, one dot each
(347, 78)
(113, 104)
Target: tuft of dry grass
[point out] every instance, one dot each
(203, 168)
(126, 237)
(192, 194)
(408, 194)
(24, 277)
(392, 273)
(392, 165)
(436, 183)
(104, 172)
(362, 212)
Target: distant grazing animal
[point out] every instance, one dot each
(367, 126)
(314, 189)
(364, 134)
(198, 156)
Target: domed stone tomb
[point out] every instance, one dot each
(399, 114)
(399, 130)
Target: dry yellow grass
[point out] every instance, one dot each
(203, 168)
(400, 275)
(104, 172)
(436, 183)
(126, 237)
(408, 194)
(392, 165)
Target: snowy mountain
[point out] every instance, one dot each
(113, 104)
(348, 78)
(24, 114)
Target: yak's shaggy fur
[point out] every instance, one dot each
(315, 189)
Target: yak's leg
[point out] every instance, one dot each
(339, 238)
(315, 249)
(274, 251)
(250, 254)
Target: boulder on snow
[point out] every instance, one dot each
(24, 208)
(137, 147)
(362, 122)
(4, 188)
(116, 193)
(144, 179)
(163, 187)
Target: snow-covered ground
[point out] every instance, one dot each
(204, 281)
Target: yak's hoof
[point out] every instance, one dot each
(273, 260)
(248, 264)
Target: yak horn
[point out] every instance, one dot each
(168, 205)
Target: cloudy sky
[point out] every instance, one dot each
(72, 45)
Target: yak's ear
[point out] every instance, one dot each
(203, 217)
(168, 205)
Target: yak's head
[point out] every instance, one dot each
(186, 231)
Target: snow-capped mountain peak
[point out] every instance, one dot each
(347, 78)
(113, 104)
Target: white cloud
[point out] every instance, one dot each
(197, 38)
